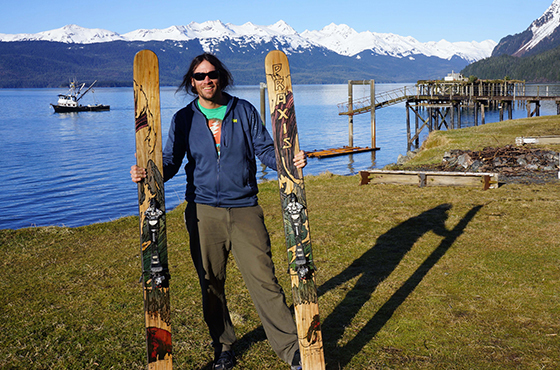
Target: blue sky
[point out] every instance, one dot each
(427, 20)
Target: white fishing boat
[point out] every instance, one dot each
(69, 102)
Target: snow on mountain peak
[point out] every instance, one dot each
(211, 29)
(77, 34)
(341, 29)
(171, 33)
(282, 28)
(69, 34)
(346, 41)
(340, 39)
(544, 26)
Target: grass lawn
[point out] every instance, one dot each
(409, 278)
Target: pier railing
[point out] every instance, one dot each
(382, 99)
(434, 90)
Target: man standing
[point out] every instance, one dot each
(220, 135)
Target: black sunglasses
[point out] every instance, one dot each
(213, 75)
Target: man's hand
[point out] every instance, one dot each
(300, 159)
(137, 173)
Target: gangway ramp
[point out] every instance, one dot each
(383, 99)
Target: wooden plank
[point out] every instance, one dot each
(552, 139)
(393, 178)
(439, 180)
(430, 178)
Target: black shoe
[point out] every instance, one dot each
(296, 361)
(225, 361)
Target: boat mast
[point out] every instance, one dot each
(89, 88)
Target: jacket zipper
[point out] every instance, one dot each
(218, 183)
(218, 155)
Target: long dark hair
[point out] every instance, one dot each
(225, 78)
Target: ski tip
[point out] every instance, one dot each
(146, 67)
(276, 52)
(145, 55)
(275, 55)
(145, 52)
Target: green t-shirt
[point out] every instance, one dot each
(214, 119)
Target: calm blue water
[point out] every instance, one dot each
(73, 169)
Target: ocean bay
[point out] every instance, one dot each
(72, 169)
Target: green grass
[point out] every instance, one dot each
(409, 278)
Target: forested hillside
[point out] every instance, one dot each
(54, 64)
(543, 67)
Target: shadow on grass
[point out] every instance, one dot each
(376, 265)
(373, 267)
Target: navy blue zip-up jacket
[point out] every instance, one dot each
(228, 180)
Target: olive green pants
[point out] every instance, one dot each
(214, 232)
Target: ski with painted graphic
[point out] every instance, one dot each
(151, 204)
(294, 207)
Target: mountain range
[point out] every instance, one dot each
(532, 55)
(333, 54)
(340, 39)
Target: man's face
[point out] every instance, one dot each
(207, 88)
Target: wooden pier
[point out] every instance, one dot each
(443, 101)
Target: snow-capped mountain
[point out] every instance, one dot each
(340, 39)
(334, 54)
(68, 34)
(346, 41)
(541, 35)
(543, 27)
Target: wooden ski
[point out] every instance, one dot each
(294, 207)
(151, 204)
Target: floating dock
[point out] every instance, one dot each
(333, 152)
